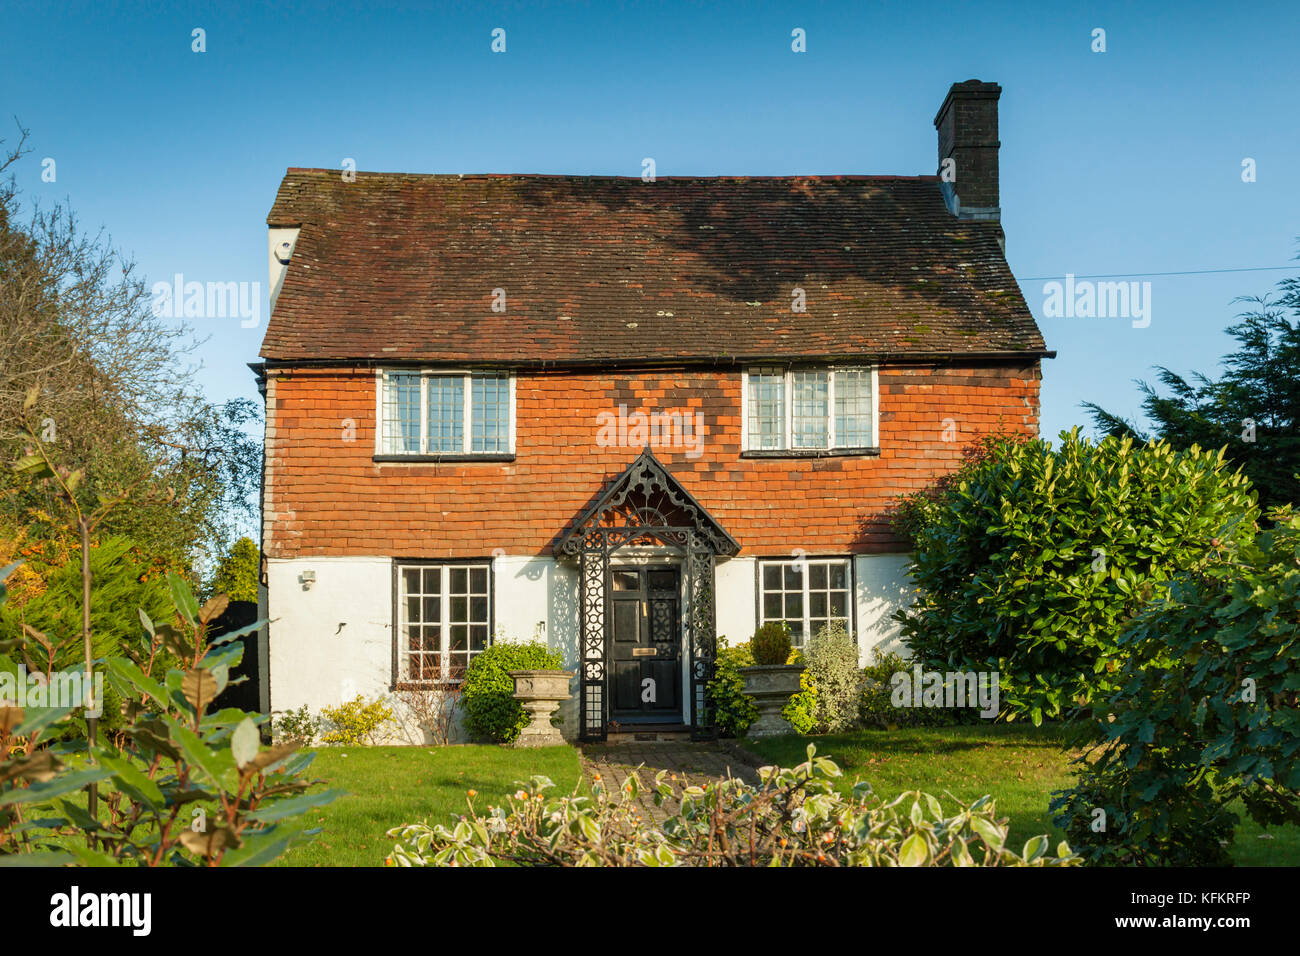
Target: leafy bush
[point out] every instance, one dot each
(1207, 711)
(770, 644)
(491, 712)
(734, 710)
(357, 722)
(875, 701)
(122, 585)
(300, 725)
(801, 711)
(1031, 559)
(188, 785)
(794, 818)
(832, 672)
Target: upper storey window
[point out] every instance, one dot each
(438, 413)
(809, 410)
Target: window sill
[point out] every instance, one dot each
(872, 452)
(435, 459)
(426, 685)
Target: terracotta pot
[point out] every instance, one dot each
(540, 693)
(771, 686)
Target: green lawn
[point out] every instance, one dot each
(1019, 765)
(389, 786)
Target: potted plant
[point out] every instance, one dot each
(540, 693)
(771, 681)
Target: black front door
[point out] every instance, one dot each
(645, 639)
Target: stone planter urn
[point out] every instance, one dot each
(540, 693)
(771, 686)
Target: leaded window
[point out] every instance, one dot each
(807, 594)
(853, 412)
(444, 619)
(809, 426)
(401, 410)
(490, 413)
(436, 413)
(766, 409)
(446, 417)
(810, 409)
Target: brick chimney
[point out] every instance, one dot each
(968, 135)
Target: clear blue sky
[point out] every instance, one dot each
(1118, 162)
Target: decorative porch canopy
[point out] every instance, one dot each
(644, 506)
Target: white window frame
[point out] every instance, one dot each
(467, 439)
(403, 672)
(849, 588)
(787, 446)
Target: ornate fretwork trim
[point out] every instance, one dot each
(647, 496)
(645, 505)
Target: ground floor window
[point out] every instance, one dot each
(806, 593)
(444, 618)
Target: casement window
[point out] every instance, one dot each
(436, 413)
(807, 594)
(809, 409)
(444, 618)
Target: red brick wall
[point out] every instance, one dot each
(324, 495)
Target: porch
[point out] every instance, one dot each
(645, 555)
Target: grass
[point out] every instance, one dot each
(1019, 765)
(389, 786)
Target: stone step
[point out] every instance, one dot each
(649, 734)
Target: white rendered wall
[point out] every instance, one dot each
(736, 607)
(537, 599)
(882, 587)
(275, 268)
(333, 640)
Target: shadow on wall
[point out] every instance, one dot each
(562, 616)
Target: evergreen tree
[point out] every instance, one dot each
(1253, 410)
(237, 573)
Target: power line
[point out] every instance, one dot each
(1153, 275)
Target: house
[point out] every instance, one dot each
(621, 416)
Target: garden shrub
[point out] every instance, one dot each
(875, 700)
(831, 657)
(123, 584)
(177, 761)
(300, 725)
(356, 722)
(432, 709)
(1207, 711)
(795, 817)
(491, 712)
(770, 645)
(1030, 560)
(734, 710)
(801, 711)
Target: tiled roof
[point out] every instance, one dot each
(612, 270)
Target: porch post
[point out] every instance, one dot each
(593, 561)
(701, 618)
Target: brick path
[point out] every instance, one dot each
(693, 762)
